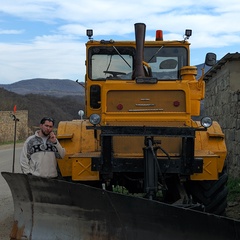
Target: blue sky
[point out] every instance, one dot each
(46, 38)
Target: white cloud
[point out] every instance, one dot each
(48, 59)
(9, 31)
(60, 51)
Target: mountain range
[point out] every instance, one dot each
(60, 99)
(43, 86)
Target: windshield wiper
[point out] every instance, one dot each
(155, 54)
(121, 56)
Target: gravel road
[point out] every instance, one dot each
(6, 202)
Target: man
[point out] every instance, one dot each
(40, 151)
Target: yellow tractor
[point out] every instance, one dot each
(138, 132)
(137, 165)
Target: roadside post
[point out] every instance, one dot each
(15, 119)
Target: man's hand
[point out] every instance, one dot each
(52, 137)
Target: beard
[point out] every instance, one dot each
(45, 133)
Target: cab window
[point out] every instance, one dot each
(165, 62)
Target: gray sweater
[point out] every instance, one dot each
(39, 158)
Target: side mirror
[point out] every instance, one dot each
(211, 59)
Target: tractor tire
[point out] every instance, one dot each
(211, 194)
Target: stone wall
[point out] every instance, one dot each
(222, 103)
(7, 125)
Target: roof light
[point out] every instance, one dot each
(188, 34)
(159, 35)
(89, 33)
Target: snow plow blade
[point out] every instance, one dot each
(56, 209)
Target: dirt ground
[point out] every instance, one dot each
(233, 209)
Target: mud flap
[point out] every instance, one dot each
(56, 209)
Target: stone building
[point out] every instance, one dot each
(7, 125)
(222, 103)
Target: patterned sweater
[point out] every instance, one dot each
(39, 158)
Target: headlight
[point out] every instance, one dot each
(206, 122)
(95, 119)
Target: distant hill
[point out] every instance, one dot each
(61, 107)
(51, 87)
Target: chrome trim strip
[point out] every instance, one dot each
(145, 104)
(145, 99)
(146, 110)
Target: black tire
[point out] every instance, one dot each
(212, 194)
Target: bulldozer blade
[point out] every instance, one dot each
(57, 209)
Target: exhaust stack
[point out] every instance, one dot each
(140, 29)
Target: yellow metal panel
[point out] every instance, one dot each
(65, 166)
(133, 146)
(75, 138)
(197, 92)
(65, 136)
(81, 170)
(108, 112)
(210, 145)
(132, 118)
(210, 171)
(146, 101)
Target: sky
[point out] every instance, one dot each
(46, 38)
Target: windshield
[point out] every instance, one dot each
(111, 62)
(165, 62)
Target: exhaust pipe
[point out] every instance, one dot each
(140, 29)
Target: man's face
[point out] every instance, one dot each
(46, 127)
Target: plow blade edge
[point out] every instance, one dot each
(56, 209)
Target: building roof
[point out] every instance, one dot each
(228, 57)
